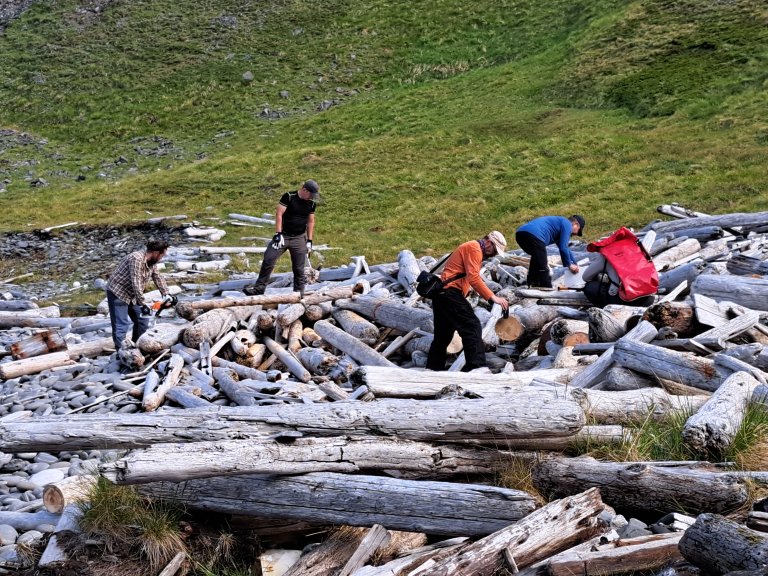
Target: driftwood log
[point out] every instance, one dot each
(388, 312)
(715, 424)
(441, 508)
(177, 462)
(642, 488)
(444, 420)
(718, 545)
(550, 529)
(749, 292)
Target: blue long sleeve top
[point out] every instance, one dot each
(552, 230)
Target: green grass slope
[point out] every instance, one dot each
(426, 123)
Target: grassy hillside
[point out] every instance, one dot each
(426, 123)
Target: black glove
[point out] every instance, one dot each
(169, 301)
(146, 310)
(277, 241)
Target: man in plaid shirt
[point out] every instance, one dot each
(125, 290)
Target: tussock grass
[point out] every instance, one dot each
(130, 523)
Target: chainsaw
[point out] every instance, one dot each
(152, 311)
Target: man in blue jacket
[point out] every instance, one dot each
(534, 237)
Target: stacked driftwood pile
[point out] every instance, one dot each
(316, 411)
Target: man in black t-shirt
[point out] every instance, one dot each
(294, 230)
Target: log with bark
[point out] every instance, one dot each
(679, 317)
(43, 342)
(718, 545)
(189, 309)
(355, 325)
(643, 488)
(441, 508)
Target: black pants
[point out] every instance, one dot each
(598, 294)
(538, 269)
(297, 247)
(453, 313)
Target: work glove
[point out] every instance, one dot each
(169, 301)
(146, 310)
(277, 241)
(309, 246)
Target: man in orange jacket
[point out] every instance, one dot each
(451, 310)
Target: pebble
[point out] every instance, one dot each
(50, 476)
(30, 537)
(8, 535)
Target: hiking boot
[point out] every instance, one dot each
(253, 290)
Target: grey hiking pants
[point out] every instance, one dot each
(297, 246)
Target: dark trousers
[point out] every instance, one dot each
(297, 247)
(538, 268)
(122, 316)
(453, 313)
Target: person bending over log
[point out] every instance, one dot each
(534, 237)
(125, 290)
(451, 310)
(294, 229)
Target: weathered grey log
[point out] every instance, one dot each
(43, 342)
(289, 314)
(745, 221)
(294, 337)
(634, 555)
(209, 327)
(151, 381)
(717, 337)
(329, 498)
(407, 270)
(362, 353)
(177, 462)
(23, 521)
(265, 321)
(715, 424)
(671, 257)
(413, 559)
(593, 435)
(170, 379)
(333, 391)
(190, 308)
(33, 365)
(676, 366)
(742, 265)
(401, 383)
(618, 379)
(17, 320)
(247, 371)
(749, 292)
(548, 530)
(160, 337)
(605, 407)
(718, 545)
(317, 360)
(604, 327)
(444, 420)
(331, 555)
(17, 305)
(68, 524)
(594, 373)
(234, 391)
(355, 325)
(291, 362)
(389, 313)
(376, 538)
(319, 311)
(669, 279)
(186, 399)
(641, 488)
(727, 365)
